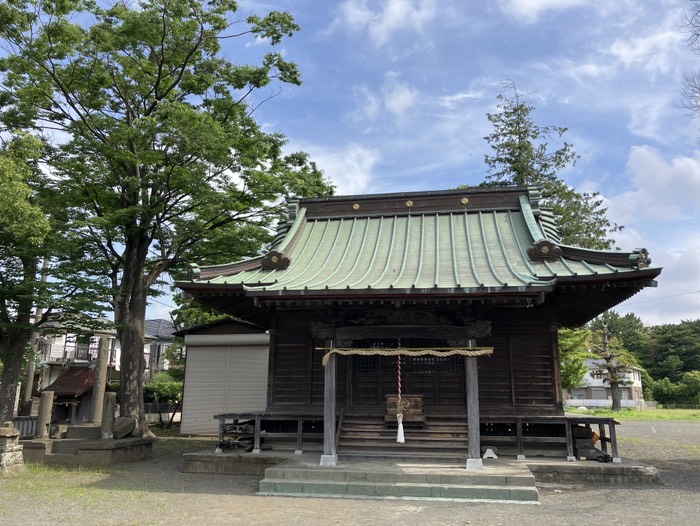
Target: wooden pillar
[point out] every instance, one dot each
(570, 457)
(329, 457)
(300, 434)
(473, 418)
(257, 449)
(519, 438)
(613, 443)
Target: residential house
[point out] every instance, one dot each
(595, 390)
(159, 337)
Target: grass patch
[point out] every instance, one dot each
(169, 442)
(645, 414)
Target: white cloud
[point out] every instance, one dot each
(381, 24)
(395, 96)
(369, 105)
(661, 212)
(450, 101)
(530, 10)
(399, 97)
(677, 296)
(351, 168)
(659, 190)
(652, 52)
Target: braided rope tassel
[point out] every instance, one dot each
(399, 416)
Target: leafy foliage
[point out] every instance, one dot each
(163, 388)
(32, 230)
(162, 162)
(612, 361)
(573, 356)
(674, 349)
(522, 156)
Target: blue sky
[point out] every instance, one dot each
(396, 92)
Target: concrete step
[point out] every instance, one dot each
(391, 479)
(83, 431)
(292, 487)
(65, 446)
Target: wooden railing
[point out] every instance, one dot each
(26, 426)
(226, 419)
(606, 431)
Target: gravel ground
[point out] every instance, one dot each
(157, 492)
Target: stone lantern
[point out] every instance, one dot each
(11, 458)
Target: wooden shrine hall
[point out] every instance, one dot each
(442, 307)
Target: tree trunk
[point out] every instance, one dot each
(615, 393)
(130, 316)
(12, 355)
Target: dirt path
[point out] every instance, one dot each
(157, 492)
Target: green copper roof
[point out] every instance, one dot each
(391, 243)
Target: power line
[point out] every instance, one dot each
(164, 304)
(665, 297)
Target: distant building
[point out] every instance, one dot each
(159, 337)
(595, 391)
(60, 346)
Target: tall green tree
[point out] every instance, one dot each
(23, 229)
(158, 153)
(675, 349)
(612, 362)
(32, 242)
(573, 356)
(523, 156)
(630, 330)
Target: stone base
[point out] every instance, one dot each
(229, 463)
(12, 460)
(329, 460)
(89, 452)
(475, 463)
(594, 473)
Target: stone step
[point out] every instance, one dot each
(65, 446)
(416, 475)
(307, 488)
(401, 478)
(83, 431)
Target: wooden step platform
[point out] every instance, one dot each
(438, 439)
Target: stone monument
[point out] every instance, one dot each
(11, 458)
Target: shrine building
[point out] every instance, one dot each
(440, 306)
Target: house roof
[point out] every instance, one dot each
(74, 380)
(468, 244)
(160, 329)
